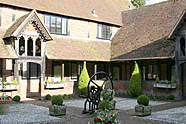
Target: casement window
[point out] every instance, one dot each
(34, 70)
(57, 71)
(104, 32)
(74, 70)
(56, 24)
(31, 70)
(164, 74)
(151, 72)
(102, 67)
(116, 73)
(126, 71)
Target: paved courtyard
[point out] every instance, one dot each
(176, 115)
(36, 112)
(25, 113)
(121, 103)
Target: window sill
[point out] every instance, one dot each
(165, 85)
(103, 38)
(9, 87)
(56, 86)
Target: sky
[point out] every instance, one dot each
(148, 2)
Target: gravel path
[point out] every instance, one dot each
(175, 115)
(121, 103)
(26, 113)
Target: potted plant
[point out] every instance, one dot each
(106, 113)
(143, 108)
(57, 108)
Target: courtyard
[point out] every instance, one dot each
(36, 112)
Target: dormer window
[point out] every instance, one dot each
(56, 24)
(104, 32)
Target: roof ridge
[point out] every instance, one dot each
(148, 6)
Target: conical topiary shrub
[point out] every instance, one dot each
(83, 81)
(135, 82)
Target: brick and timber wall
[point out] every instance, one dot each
(148, 88)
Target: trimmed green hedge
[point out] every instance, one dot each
(143, 100)
(83, 81)
(16, 98)
(135, 82)
(57, 100)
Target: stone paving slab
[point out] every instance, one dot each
(175, 115)
(26, 113)
(121, 103)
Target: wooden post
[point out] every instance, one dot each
(63, 70)
(95, 70)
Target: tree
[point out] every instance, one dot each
(138, 3)
(83, 80)
(135, 82)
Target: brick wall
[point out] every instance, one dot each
(147, 88)
(69, 89)
(77, 28)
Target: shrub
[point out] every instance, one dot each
(48, 97)
(171, 97)
(16, 98)
(138, 3)
(63, 80)
(135, 82)
(108, 94)
(83, 80)
(157, 79)
(5, 97)
(105, 105)
(57, 100)
(143, 100)
(173, 79)
(15, 82)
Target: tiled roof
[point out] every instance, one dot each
(15, 25)
(72, 49)
(6, 51)
(145, 31)
(108, 11)
(20, 23)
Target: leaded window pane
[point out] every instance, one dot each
(104, 32)
(64, 26)
(53, 24)
(58, 25)
(47, 22)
